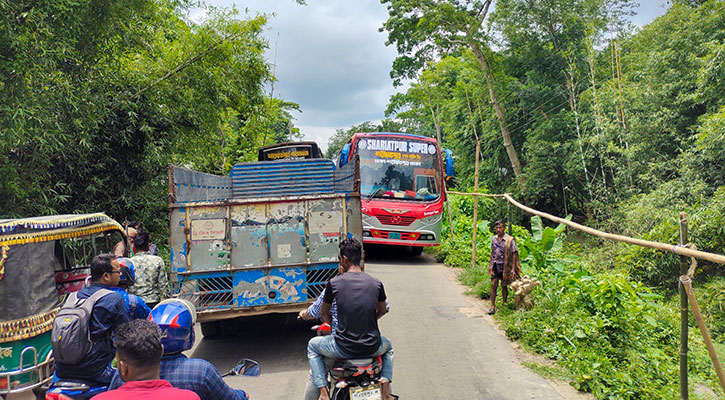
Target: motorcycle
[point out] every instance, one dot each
(353, 379)
(356, 379)
(74, 390)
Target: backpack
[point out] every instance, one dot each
(71, 336)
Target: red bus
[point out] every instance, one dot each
(402, 187)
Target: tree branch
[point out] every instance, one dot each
(190, 61)
(483, 12)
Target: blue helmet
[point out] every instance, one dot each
(176, 318)
(128, 271)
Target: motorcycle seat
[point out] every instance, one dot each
(354, 362)
(356, 367)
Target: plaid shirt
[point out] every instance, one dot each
(194, 374)
(498, 246)
(314, 310)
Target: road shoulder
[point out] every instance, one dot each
(526, 358)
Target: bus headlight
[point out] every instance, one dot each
(432, 220)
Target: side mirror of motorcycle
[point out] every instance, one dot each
(245, 367)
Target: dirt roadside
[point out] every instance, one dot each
(562, 386)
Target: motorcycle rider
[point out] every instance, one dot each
(108, 313)
(136, 307)
(138, 354)
(360, 301)
(313, 312)
(176, 318)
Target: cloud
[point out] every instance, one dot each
(330, 59)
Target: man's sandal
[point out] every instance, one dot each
(491, 311)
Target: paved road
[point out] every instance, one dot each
(445, 347)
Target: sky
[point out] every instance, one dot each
(331, 60)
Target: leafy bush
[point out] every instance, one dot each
(656, 217)
(711, 298)
(457, 249)
(615, 337)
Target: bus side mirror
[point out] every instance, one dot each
(450, 170)
(343, 155)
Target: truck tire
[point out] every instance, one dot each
(210, 330)
(416, 250)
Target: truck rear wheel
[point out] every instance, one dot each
(416, 250)
(210, 330)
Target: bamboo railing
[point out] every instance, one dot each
(686, 291)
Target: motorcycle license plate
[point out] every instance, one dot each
(394, 235)
(371, 392)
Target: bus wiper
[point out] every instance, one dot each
(375, 193)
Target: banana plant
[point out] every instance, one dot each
(534, 250)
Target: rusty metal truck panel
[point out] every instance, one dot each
(273, 252)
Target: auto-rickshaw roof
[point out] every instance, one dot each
(24, 230)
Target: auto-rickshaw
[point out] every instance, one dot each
(42, 259)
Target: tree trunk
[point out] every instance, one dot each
(436, 121)
(569, 75)
(507, 144)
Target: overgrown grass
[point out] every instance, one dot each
(547, 371)
(611, 335)
(478, 280)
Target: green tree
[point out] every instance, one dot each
(96, 102)
(423, 29)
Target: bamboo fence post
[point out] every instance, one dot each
(684, 395)
(475, 184)
(475, 205)
(508, 218)
(448, 205)
(686, 282)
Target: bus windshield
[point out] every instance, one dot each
(399, 168)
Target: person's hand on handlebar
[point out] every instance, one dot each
(304, 315)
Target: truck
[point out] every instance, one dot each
(402, 187)
(264, 239)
